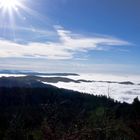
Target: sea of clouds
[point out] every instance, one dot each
(120, 92)
(99, 86)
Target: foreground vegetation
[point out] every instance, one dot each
(58, 114)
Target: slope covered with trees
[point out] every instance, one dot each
(50, 113)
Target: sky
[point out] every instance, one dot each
(70, 35)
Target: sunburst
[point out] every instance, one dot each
(10, 5)
(11, 11)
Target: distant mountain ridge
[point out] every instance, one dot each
(36, 81)
(26, 72)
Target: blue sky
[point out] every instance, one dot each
(71, 36)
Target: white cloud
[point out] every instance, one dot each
(68, 45)
(122, 93)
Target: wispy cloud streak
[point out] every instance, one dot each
(66, 47)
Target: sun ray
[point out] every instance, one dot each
(9, 4)
(8, 9)
(14, 12)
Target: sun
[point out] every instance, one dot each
(9, 4)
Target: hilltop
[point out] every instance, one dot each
(36, 111)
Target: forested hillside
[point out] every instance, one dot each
(50, 113)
